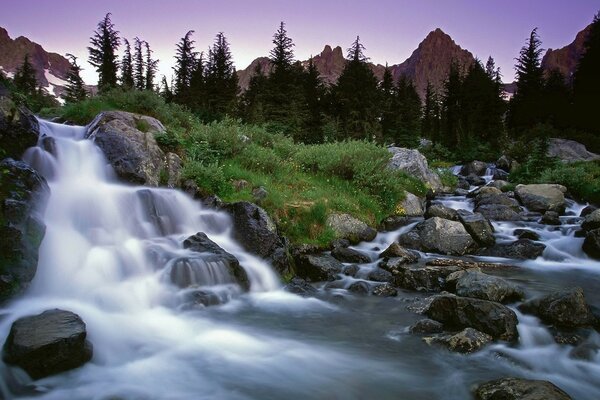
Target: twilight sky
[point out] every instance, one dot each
(389, 29)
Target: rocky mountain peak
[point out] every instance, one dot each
(566, 58)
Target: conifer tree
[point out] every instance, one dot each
(388, 106)
(151, 68)
(252, 102)
(75, 88)
(451, 108)
(586, 81)
(185, 65)
(165, 90)
(430, 123)
(24, 80)
(127, 67)
(557, 100)
(221, 83)
(139, 65)
(197, 91)
(314, 94)
(282, 55)
(103, 53)
(408, 120)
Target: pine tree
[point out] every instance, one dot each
(282, 55)
(75, 88)
(165, 91)
(586, 81)
(184, 67)
(127, 67)
(556, 100)
(408, 119)
(430, 120)
(314, 94)
(252, 102)
(221, 83)
(388, 106)
(24, 80)
(103, 53)
(139, 65)
(451, 108)
(151, 68)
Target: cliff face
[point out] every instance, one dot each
(565, 59)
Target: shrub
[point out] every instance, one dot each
(582, 179)
(209, 177)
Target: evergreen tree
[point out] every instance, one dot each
(252, 102)
(430, 122)
(451, 108)
(314, 94)
(556, 100)
(165, 91)
(586, 81)
(221, 83)
(197, 91)
(185, 65)
(151, 68)
(75, 88)
(139, 65)
(127, 67)
(388, 106)
(24, 80)
(282, 55)
(408, 121)
(103, 53)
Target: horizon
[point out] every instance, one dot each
(473, 26)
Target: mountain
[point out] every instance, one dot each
(565, 59)
(51, 68)
(429, 62)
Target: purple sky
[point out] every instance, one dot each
(389, 29)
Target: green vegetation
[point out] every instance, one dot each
(582, 179)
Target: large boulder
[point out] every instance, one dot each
(489, 317)
(569, 151)
(347, 227)
(400, 254)
(591, 244)
(468, 340)
(318, 267)
(410, 206)
(47, 344)
(413, 163)
(542, 197)
(519, 389)
(422, 278)
(23, 195)
(128, 143)
(478, 227)
(564, 309)
(505, 163)
(441, 211)
(499, 212)
(19, 129)
(300, 287)
(348, 255)
(437, 235)
(591, 221)
(522, 249)
(474, 167)
(472, 283)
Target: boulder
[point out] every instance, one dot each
(347, 227)
(489, 317)
(300, 287)
(462, 183)
(437, 235)
(519, 389)
(468, 340)
(526, 234)
(400, 254)
(426, 325)
(214, 254)
(47, 344)
(475, 180)
(348, 255)
(505, 163)
(499, 212)
(410, 206)
(498, 184)
(591, 244)
(500, 175)
(472, 283)
(564, 309)
(490, 198)
(441, 211)
(461, 192)
(384, 290)
(318, 267)
(413, 163)
(359, 287)
(569, 151)
(173, 166)
(380, 275)
(474, 167)
(478, 227)
(542, 197)
(591, 221)
(19, 129)
(587, 210)
(23, 196)
(550, 218)
(128, 143)
(522, 249)
(428, 278)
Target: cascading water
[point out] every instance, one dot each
(113, 254)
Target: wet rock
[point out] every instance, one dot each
(394, 222)
(201, 298)
(410, 206)
(468, 340)
(380, 275)
(505, 163)
(474, 167)
(463, 264)
(542, 197)
(526, 234)
(499, 212)
(128, 143)
(350, 270)
(413, 163)
(348, 255)
(591, 244)
(47, 344)
(359, 287)
(428, 278)
(489, 317)
(48, 143)
(463, 184)
(587, 210)
(591, 221)
(478, 227)
(519, 389)
(425, 326)
(19, 129)
(437, 235)
(475, 180)
(318, 267)
(440, 211)
(23, 196)
(347, 227)
(500, 175)
(564, 309)
(400, 254)
(483, 191)
(486, 198)
(384, 290)
(498, 184)
(486, 287)
(550, 218)
(340, 243)
(461, 191)
(522, 249)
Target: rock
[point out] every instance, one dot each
(505, 163)
(569, 151)
(350, 270)
(437, 235)
(550, 218)
(340, 243)
(214, 254)
(259, 194)
(486, 287)
(173, 170)
(400, 254)
(498, 184)
(591, 221)
(23, 196)
(410, 206)
(483, 190)
(413, 163)
(300, 287)
(424, 326)
(201, 298)
(257, 233)
(526, 234)
(438, 210)
(463, 183)
(133, 153)
(486, 198)
(475, 180)
(445, 262)
(498, 212)
(347, 255)
(47, 344)
(429, 278)
(379, 275)
(478, 227)
(240, 185)
(542, 197)
(468, 340)
(522, 249)
(318, 267)
(519, 389)
(564, 309)
(461, 192)
(489, 317)
(500, 175)
(587, 210)
(474, 167)
(384, 290)
(19, 129)
(394, 222)
(359, 287)
(591, 244)
(347, 227)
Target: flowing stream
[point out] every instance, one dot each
(113, 254)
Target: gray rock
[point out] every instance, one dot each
(542, 197)
(437, 235)
(499, 212)
(519, 389)
(347, 227)
(379, 275)
(505, 163)
(19, 129)
(424, 326)
(498, 184)
(461, 191)
(300, 287)
(394, 222)
(48, 343)
(318, 267)
(591, 244)
(569, 151)
(428, 278)
(411, 206)
(550, 218)
(441, 211)
(522, 249)
(173, 169)
(587, 210)
(486, 287)
(478, 227)
(591, 221)
(474, 167)
(564, 309)
(526, 234)
(348, 255)
(413, 163)
(359, 287)
(468, 340)
(400, 254)
(259, 194)
(475, 180)
(462, 183)
(499, 175)
(384, 290)
(487, 198)
(489, 317)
